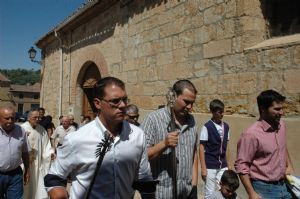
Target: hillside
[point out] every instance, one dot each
(22, 76)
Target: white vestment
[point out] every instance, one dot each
(40, 159)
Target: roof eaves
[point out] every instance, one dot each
(73, 16)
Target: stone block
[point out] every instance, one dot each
(253, 60)
(230, 8)
(217, 48)
(236, 104)
(201, 68)
(132, 76)
(234, 63)
(248, 23)
(276, 59)
(205, 34)
(296, 55)
(216, 66)
(225, 29)
(248, 82)
(180, 55)
(291, 81)
(270, 80)
(165, 58)
(195, 53)
(148, 74)
(197, 20)
(228, 84)
(214, 14)
(204, 4)
(175, 71)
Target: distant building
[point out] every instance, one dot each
(22, 97)
(26, 97)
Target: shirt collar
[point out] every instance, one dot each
(126, 129)
(268, 128)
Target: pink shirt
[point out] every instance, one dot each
(262, 152)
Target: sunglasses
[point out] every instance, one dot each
(117, 101)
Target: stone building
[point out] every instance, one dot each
(230, 49)
(22, 97)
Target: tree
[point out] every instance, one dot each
(22, 76)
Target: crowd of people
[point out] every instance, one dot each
(114, 155)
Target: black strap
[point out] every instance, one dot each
(51, 180)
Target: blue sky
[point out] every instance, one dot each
(23, 22)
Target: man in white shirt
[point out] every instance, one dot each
(124, 163)
(61, 131)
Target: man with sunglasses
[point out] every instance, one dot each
(126, 160)
(161, 139)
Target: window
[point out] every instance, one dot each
(21, 96)
(35, 96)
(283, 16)
(34, 106)
(20, 108)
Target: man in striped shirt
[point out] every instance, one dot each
(160, 141)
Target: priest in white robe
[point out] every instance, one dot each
(39, 156)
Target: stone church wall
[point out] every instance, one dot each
(217, 44)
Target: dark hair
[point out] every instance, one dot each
(100, 85)
(231, 179)
(41, 109)
(216, 105)
(266, 98)
(180, 85)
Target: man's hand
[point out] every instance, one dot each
(58, 193)
(53, 156)
(26, 177)
(203, 174)
(171, 139)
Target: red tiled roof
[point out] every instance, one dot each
(26, 88)
(3, 78)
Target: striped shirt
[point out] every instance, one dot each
(155, 126)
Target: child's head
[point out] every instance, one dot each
(229, 183)
(216, 107)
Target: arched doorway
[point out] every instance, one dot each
(90, 77)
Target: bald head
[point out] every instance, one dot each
(7, 118)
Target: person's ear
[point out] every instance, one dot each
(97, 103)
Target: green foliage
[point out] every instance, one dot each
(22, 76)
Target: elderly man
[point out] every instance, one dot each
(13, 151)
(61, 131)
(39, 156)
(72, 123)
(132, 114)
(124, 163)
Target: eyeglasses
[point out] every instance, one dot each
(117, 101)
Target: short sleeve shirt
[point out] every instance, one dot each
(12, 145)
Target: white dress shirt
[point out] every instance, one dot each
(126, 161)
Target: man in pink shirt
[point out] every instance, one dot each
(262, 154)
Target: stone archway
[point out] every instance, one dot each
(90, 74)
